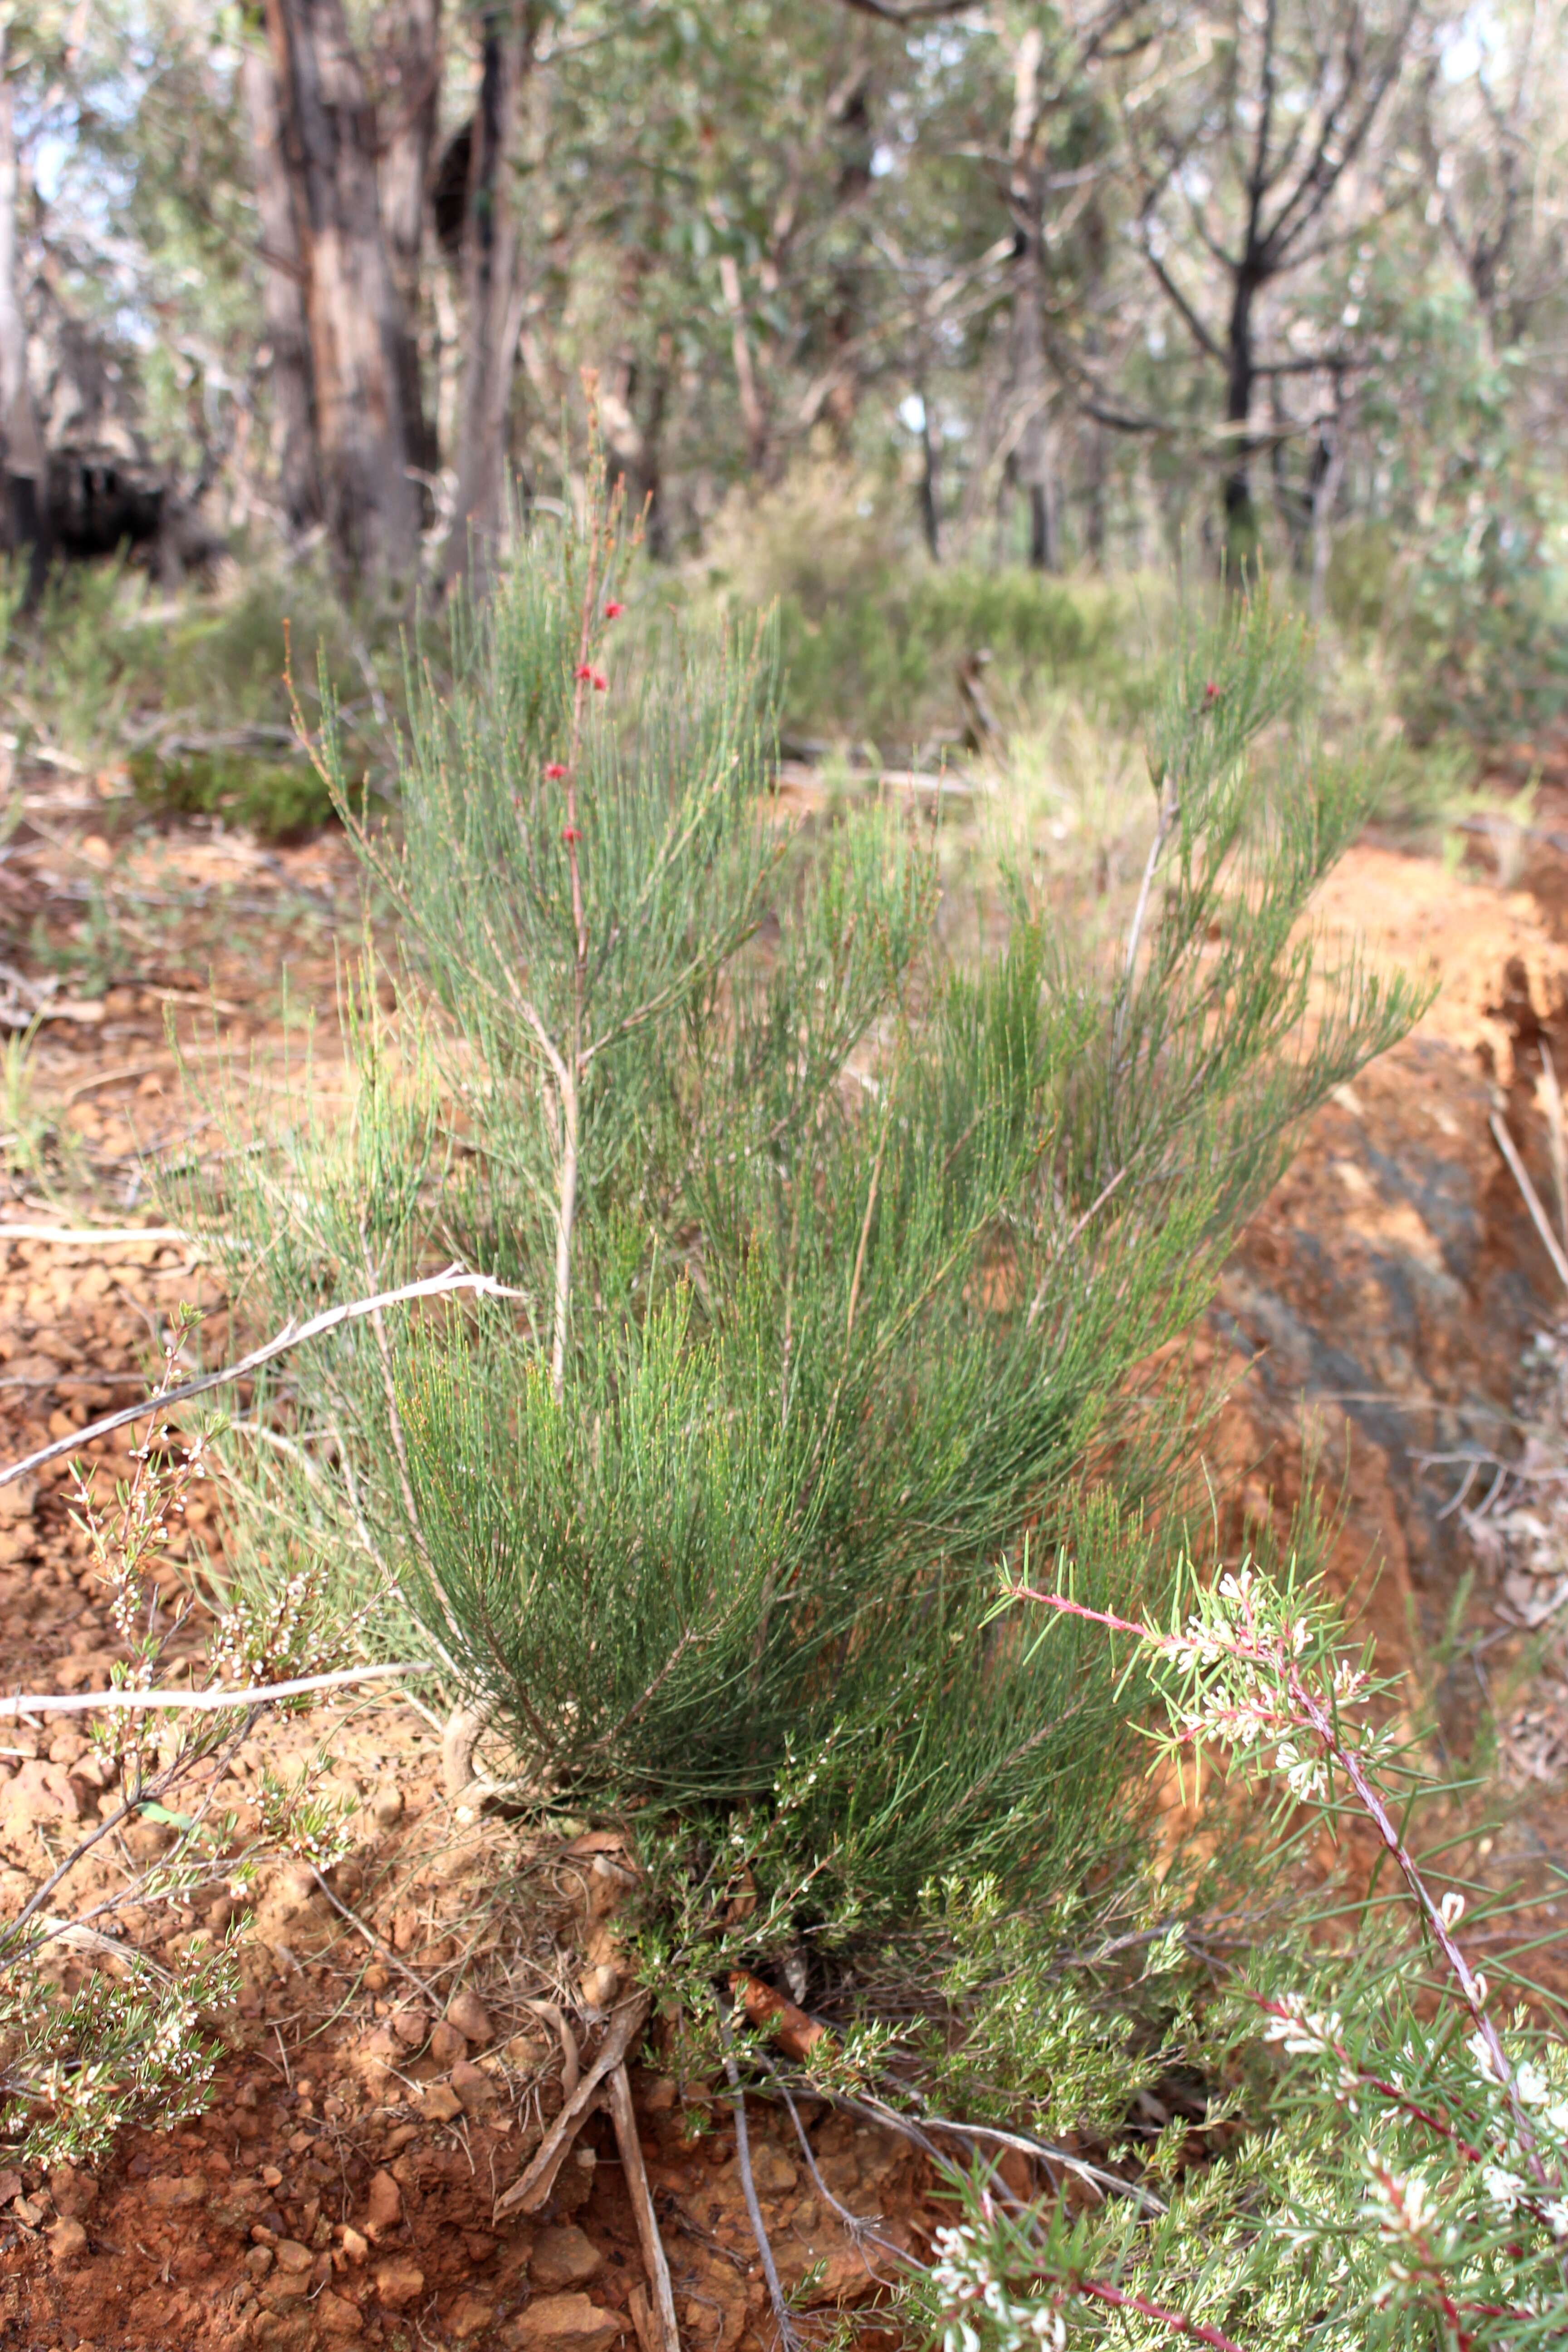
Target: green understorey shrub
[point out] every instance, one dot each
(274, 797)
(187, 688)
(873, 634)
(1383, 2151)
(839, 1264)
(834, 1260)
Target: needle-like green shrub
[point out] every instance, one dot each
(836, 1252)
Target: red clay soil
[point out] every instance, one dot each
(385, 2077)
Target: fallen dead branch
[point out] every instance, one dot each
(795, 2032)
(101, 1236)
(1530, 1198)
(293, 1335)
(571, 2056)
(529, 2191)
(220, 1694)
(636, 2176)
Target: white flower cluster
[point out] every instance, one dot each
(1305, 2033)
(284, 1634)
(965, 2278)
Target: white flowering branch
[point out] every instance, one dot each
(1272, 1694)
(971, 2289)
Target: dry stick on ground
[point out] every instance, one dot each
(105, 1237)
(1531, 1198)
(635, 2174)
(293, 1335)
(126, 1699)
(571, 2056)
(528, 2193)
(1556, 1135)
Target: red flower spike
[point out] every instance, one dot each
(600, 683)
(583, 669)
(1211, 692)
(613, 612)
(570, 832)
(556, 771)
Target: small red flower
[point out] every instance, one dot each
(583, 669)
(556, 771)
(600, 683)
(1211, 692)
(570, 832)
(613, 611)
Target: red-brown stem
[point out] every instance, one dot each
(1099, 2291)
(1065, 1607)
(1390, 2091)
(1463, 2338)
(1377, 1812)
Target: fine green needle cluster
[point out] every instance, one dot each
(834, 1253)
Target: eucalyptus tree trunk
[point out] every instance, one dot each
(1241, 381)
(357, 327)
(493, 289)
(283, 301)
(1031, 432)
(408, 138)
(26, 500)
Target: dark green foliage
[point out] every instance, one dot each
(274, 797)
(835, 1261)
(873, 635)
(190, 690)
(881, 663)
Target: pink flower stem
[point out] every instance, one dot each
(1310, 1713)
(1101, 2291)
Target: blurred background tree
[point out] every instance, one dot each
(1064, 286)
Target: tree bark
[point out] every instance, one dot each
(931, 476)
(27, 500)
(632, 448)
(493, 289)
(1031, 393)
(356, 323)
(283, 301)
(1241, 361)
(409, 141)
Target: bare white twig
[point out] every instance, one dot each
(293, 1335)
(789, 2339)
(72, 1237)
(220, 1694)
(1556, 1135)
(1531, 1198)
